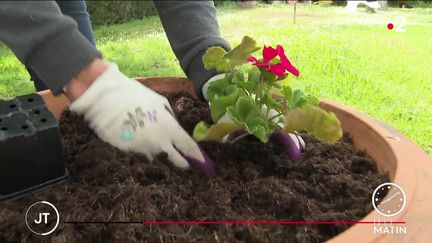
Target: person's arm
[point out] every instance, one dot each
(121, 111)
(191, 28)
(49, 42)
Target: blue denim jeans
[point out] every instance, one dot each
(77, 10)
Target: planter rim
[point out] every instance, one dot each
(408, 165)
(412, 172)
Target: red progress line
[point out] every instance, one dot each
(269, 222)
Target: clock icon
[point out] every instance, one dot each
(389, 199)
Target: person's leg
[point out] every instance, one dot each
(78, 11)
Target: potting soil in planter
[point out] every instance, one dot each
(252, 182)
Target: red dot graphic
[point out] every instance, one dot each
(390, 26)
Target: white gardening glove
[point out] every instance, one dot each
(132, 117)
(298, 140)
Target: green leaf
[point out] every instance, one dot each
(312, 100)
(276, 85)
(240, 53)
(220, 87)
(200, 131)
(222, 93)
(254, 75)
(238, 76)
(287, 93)
(317, 122)
(223, 61)
(239, 80)
(219, 104)
(296, 98)
(249, 86)
(267, 76)
(299, 99)
(214, 58)
(270, 102)
(250, 117)
(282, 78)
(215, 132)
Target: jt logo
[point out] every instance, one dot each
(46, 222)
(45, 216)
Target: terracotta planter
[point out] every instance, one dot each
(409, 166)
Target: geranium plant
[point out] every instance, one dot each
(255, 100)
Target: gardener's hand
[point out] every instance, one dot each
(131, 117)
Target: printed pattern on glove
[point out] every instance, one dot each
(135, 121)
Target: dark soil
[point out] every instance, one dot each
(253, 182)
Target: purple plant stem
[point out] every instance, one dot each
(289, 145)
(206, 165)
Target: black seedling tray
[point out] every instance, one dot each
(30, 147)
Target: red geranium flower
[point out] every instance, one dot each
(269, 53)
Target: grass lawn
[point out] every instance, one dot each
(351, 58)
